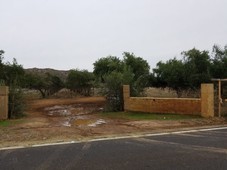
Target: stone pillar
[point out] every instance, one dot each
(4, 90)
(207, 100)
(126, 91)
(126, 96)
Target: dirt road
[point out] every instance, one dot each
(58, 120)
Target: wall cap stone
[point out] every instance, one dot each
(144, 98)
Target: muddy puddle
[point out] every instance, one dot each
(75, 115)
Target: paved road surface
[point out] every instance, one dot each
(198, 150)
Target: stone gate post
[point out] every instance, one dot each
(207, 100)
(4, 90)
(126, 96)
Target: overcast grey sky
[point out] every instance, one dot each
(70, 34)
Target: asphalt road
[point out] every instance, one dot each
(197, 150)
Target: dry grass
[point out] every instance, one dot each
(169, 93)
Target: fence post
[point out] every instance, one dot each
(207, 100)
(4, 90)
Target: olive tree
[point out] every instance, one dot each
(80, 81)
(46, 84)
(112, 73)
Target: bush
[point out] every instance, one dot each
(113, 91)
(16, 103)
(12, 75)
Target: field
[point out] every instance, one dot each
(58, 120)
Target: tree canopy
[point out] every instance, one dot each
(138, 65)
(106, 65)
(46, 84)
(80, 81)
(186, 73)
(219, 62)
(113, 73)
(171, 74)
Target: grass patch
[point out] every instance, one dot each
(7, 123)
(146, 116)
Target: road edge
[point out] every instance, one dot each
(128, 136)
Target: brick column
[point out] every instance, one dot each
(4, 90)
(126, 96)
(207, 100)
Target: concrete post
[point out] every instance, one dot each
(4, 90)
(207, 100)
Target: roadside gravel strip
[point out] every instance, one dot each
(173, 131)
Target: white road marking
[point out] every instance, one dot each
(117, 137)
(186, 146)
(191, 135)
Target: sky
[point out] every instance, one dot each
(73, 34)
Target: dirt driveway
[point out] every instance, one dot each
(59, 120)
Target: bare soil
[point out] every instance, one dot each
(59, 120)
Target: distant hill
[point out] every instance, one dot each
(62, 74)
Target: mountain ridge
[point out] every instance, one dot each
(62, 74)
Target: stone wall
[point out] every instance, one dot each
(192, 106)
